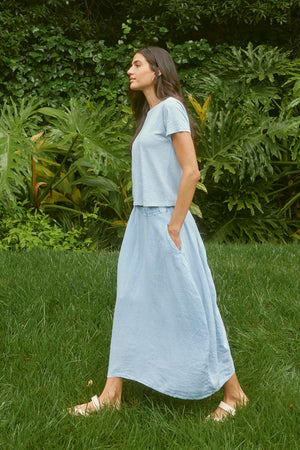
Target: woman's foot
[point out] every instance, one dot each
(97, 403)
(228, 407)
(110, 398)
(234, 397)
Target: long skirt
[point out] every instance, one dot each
(167, 330)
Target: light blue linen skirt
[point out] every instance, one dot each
(167, 331)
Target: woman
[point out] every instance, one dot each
(167, 332)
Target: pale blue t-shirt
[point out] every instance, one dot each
(156, 172)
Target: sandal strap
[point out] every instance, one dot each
(78, 411)
(227, 408)
(96, 403)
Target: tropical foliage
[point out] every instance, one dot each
(16, 121)
(78, 164)
(249, 147)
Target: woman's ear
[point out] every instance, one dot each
(159, 72)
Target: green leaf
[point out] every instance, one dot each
(195, 210)
(99, 182)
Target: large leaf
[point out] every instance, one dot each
(99, 182)
(16, 147)
(101, 139)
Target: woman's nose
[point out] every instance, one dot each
(129, 72)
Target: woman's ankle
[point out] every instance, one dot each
(238, 398)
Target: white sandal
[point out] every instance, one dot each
(231, 411)
(78, 411)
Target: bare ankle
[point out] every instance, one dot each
(238, 398)
(111, 396)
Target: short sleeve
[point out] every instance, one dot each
(175, 117)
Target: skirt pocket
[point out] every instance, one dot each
(171, 242)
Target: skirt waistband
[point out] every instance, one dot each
(151, 210)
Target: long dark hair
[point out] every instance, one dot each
(166, 85)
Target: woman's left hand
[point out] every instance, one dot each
(175, 236)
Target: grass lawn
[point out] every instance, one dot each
(56, 314)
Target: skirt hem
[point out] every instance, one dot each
(169, 392)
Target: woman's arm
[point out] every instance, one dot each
(186, 155)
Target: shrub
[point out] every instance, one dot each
(22, 229)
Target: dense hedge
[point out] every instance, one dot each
(56, 68)
(274, 22)
(58, 49)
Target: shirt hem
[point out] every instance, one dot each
(149, 205)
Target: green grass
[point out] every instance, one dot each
(56, 314)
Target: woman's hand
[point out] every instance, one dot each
(175, 236)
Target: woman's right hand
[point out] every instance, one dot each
(175, 236)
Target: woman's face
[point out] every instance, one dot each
(141, 76)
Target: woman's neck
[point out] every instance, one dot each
(151, 97)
